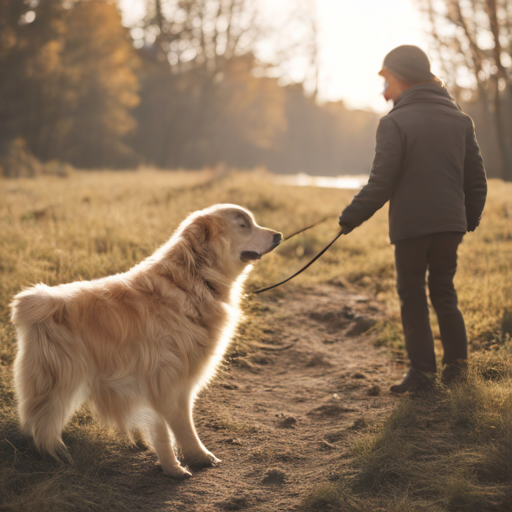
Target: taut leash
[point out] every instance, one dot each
(261, 290)
(305, 229)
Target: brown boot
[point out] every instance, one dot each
(454, 373)
(414, 382)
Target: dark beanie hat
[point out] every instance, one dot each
(409, 63)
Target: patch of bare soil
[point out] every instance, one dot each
(285, 418)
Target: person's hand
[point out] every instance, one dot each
(344, 228)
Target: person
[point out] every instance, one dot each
(428, 165)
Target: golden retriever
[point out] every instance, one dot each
(138, 346)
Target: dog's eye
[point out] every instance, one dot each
(243, 226)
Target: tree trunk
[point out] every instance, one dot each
(502, 131)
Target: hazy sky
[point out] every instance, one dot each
(355, 35)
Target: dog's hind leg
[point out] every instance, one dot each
(48, 385)
(161, 441)
(182, 425)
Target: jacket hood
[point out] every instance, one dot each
(426, 93)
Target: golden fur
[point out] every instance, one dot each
(138, 346)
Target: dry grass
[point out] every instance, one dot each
(448, 452)
(93, 224)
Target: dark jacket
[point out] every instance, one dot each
(428, 163)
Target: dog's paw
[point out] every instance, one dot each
(202, 460)
(178, 472)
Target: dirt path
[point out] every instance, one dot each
(285, 418)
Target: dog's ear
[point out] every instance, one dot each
(193, 249)
(197, 238)
(201, 231)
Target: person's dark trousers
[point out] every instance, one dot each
(436, 253)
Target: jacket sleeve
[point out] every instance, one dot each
(383, 177)
(475, 180)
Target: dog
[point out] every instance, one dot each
(138, 346)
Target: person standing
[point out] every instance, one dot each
(428, 165)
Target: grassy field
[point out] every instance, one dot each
(92, 224)
(449, 451)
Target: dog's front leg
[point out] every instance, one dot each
(182, 426)
(161, 441)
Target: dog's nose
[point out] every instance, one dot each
(278, 238)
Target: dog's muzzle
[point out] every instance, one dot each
(278, 238)
(253, 255)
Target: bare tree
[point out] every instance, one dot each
(221, 71)
(206, 34)
(202, 33)
(473, 41)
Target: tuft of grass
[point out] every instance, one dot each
(390, 334)
(450, 451)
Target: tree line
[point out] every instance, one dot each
(185, 88)
(188, 92)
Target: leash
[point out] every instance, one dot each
(261, 290)
(305, 229)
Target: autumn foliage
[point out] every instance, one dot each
(76, 88)
(68, 81)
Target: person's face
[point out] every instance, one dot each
(393, 86)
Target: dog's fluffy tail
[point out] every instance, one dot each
(47, 376)
(34, 305)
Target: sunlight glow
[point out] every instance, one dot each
(354, 37)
